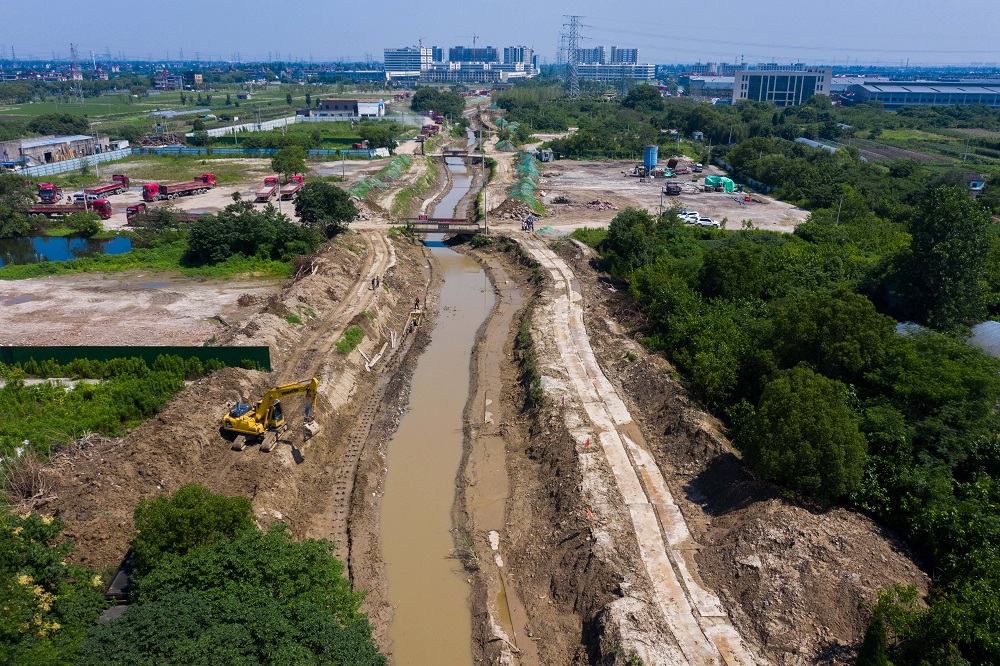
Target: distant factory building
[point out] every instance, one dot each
(782, 87)
(598, 72)
(192, 79)
(32, 152)
(894, 94)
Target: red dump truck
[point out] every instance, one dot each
(135, 210)
(430, 130)
(270, 188)
(119, 185)
(291, 190)
(49, 193)
(100, 206)
(158, 191)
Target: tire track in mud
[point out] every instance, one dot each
(694, 616)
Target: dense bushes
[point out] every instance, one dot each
(48, 415)
(448, 104)
(219, 590)
(241, 229)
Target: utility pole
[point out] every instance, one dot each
(838, 209)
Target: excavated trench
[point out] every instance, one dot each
(427, 587)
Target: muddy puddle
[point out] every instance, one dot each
(427, 586)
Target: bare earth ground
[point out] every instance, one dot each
(132, 308)
(582, 182)
(95, 487)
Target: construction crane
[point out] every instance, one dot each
(264, 422)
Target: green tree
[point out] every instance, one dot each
(803, 436)
(379, 134)
(200, 138)
(229, 99)
(193, 518)
(946, 270)
(48, 605)
(288, 99)
(289, 161)
(644, 98)
(16, 197)
(325, 207)
(130, 133)
(308, 100)
(85, 223)
(839, 334)
(59, 123)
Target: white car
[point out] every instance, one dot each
(707, 222)
(689, 216)
(78, 197)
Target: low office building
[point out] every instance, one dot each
(348, 109)
(782, 87)
(476, 72)
(894, 94)
(708, 86)
(617, 72)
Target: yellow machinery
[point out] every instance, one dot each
(264, 422)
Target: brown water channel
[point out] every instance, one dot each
(426, 585)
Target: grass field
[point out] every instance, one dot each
(112, 111)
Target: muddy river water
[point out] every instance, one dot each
(426, 585)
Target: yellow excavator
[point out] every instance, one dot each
(264, 422)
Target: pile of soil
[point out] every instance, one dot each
(598, 204)
(154, 140)
(512, 209)
(369, 211)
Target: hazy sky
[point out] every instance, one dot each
(811, 31)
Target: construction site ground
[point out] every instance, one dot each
(609, 516)
(584, 182)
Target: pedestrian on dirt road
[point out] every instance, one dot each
(373, 283)
(416, 303)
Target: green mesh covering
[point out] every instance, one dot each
(380, 181)
(506, 146)
(524, 188)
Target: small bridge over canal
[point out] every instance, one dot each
(442, 225)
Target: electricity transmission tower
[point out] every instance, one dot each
(573, 52)
(76, 73)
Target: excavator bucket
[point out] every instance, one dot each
(309, 429)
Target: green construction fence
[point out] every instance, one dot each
(228, 356)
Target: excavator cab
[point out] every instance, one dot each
(277, 417)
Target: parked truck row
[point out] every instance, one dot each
(286, 193)
(159, 191)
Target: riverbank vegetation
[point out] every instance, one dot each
(792, 340)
